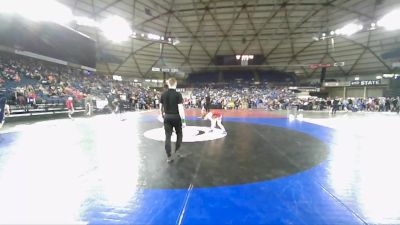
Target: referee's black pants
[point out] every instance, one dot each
(207, 107)
(172, 121)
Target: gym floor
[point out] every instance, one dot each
(268, 169)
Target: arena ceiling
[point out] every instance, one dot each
(281, 30)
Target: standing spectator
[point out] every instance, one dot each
(4, 108)
(335, 106)
(89, 105)
(70, 107)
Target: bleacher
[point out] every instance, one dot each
(34, 87)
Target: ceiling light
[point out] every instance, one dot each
(176, 41)
(349, 29)
(84, 21)
(378, 77)
(323, 34)
(390, 75)
(332, 32)
(153, 36)
(390, 20)
(116, 29)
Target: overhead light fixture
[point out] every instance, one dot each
(378, 77)
(332, 32)
(84, 21)
(244, 57)
(349, 29)
(390, 75)
(175, 42)
(323, 34)
(390, 20)
(153, 37)
(357, 78)
(116, 29)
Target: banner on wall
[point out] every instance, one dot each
(365, 82)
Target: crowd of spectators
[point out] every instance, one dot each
(282, 99)
(372, 104)
(239, 98)
(30, 83)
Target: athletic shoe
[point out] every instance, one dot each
(170, 159)
(178, 155)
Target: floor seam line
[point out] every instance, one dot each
(342, 203)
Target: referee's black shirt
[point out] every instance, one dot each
(170, 100)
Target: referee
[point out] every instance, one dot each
(208, 103)
(171, 108)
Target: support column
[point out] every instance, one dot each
(344, 92)
(164, 78)
(220, 77)
(256, 76)
(365, 91)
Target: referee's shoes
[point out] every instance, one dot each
(171, 158)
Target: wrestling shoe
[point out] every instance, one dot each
(170, 159)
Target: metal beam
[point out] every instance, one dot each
(194, 37)
(312, 13)
(254, 29)
(122, 63)
(95, 13)
(368, 49)
(283, 5)
(365, 49)
(225, 34)
(198, 27)
(132, 53)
